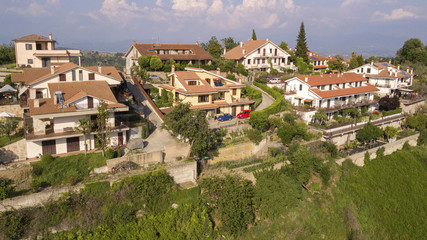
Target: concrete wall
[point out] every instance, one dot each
(178, 150)
(14, 151)
(15, 109)
(412, 108)
(183, 171)
(140, 159)
(389, 149)
(239, 151)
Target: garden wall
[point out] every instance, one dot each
(140, 159)
(239, 151)
(183, 171)
(177, 150)
(14, 151)
(358, 158)
(15, 109)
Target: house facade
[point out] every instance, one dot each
(207, 91)
(385, 76)
(332, 92)
(319, 62)
(59, 97)
(182, 53)
(38, 51)
(260, 55)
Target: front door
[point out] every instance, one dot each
(73, 144)
(233, 110)
(89, 102)
(49, 147)
(120, 137)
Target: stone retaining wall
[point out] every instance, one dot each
(239, 151)
(140, 159)
(14, 151)
(15, 109)
(389, 149)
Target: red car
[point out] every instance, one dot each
(244, 114)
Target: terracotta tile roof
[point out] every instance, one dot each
(385, 73)
(197, 52)
(34, 75)
(186, 75)
(249, 46)
(327, 79)
(346, 91)
(72, 91)
(320, 67)
(34, 37)
(204, 106)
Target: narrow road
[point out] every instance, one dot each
(267, 100)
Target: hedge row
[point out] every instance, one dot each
(391, 112)
(259, 119)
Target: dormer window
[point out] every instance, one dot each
(218, 83)
(192, 83)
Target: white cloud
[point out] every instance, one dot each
(396, 14)
(34, 9)
(159, 3)
(120, 11)
(53, 2)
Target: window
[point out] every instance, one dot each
(283, 60)
(249, 61)
(274, 60)
(368, 70)
(38, 46)
(275, 52)
(271, 50)
(28, 46)
(259, 50)
(263, 52)
(361, 70)
(330, 86)
(91, 76)
(73, 75)
(192, 83)
(263, 60)
(218, 111)
(203, 98)
(300, 87)
(30, 61)
(208, 80)
(234, 92)
(62, 78)
(81, 75)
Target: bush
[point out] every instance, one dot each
(387, 103)
(391, 112)
(47, 159)
(325, 174)
(380, 153)
(6, 188)
(331, 148)
(255, 135)
(143, 131)
(110, 153)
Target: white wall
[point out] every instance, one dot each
(276, 64)
(60, 123)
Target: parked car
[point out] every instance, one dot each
(154, 76)
(244, 114)
(225, 117)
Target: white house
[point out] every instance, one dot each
(59, 96)
(332, 92)
(257, 54)
(38, 51)
(181, 53)
(387, 77)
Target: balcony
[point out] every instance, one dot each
(60, 53)
(339, 105)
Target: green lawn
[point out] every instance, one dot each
(5, 141)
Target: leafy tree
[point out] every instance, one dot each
(229, 43)
(286, 132)
(259, 120)
(331, 148)
(254, 35)
(7, 53)
(213, 47)
(389, 103)
(231, 76)
(8, 126)
(255, 135)
(275, 193)
(413, 50)
(241, 69)
(380, 153)
(338, 64)
(232, 198)
(84, 126)
(416, 121)
(103, 136)
(301, 47)
(356, 61)
(320, 116)
(6, 188)
(390, 132)
(368, 133)
(144, 61)
(372, 58)
(283, 45)
(360, 60)
(155, 63)
(7, 81)
(302, 163)
(303, 66)
(325, 174)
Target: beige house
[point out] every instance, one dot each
(59, 97)
(38, 51)
(182, 53)
(207, 91)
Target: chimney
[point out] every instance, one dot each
(55, 99)
(36, 103)
(100, 68)
(407, 69)
(172, 68)
(218, 71)
(134, 42)
(197, 42)
(50, 36)
(389, 61)
(267, 40)
(372, 62)
(412, 71)
(395, 74)
(364, 75)
(244, 51)
(241, 43)
(225, 50)
(398, 66)
(306, 79)
(52, 69)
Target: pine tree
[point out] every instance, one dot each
(253, 34)
(301, 48)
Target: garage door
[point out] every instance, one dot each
(49, 147)
(73, 144)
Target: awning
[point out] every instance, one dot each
(308, 100)
(7, 88)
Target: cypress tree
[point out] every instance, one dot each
(253, 34)
(301, 48)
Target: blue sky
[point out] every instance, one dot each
(371, 27)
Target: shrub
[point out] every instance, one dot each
(391, 112)
(406, 146)
(331, 148)
(422, 138)
(325, 174)
(110, 153)
(47, 159)
(6, 188)
(387, 103)
(380, 153)
(367, 157)
(255, 135)
(144, 131)
(286, 133)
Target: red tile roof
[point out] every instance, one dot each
(33, 38)
(197, 52)
(327, 79)
(249, 46)
(346, 91)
